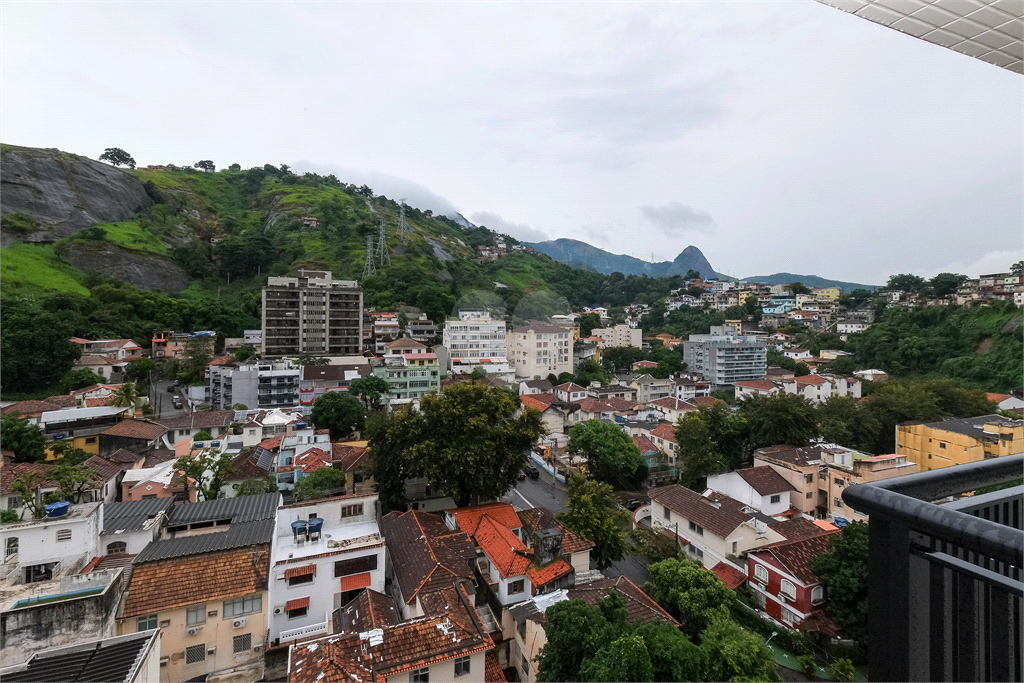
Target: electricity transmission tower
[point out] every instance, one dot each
(369, 270)
(383, 255)
(403, 227)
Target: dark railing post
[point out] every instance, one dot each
(888, 600)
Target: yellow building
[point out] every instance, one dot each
(830, 293)
(955, 442)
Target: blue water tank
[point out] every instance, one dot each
(300, 425)
(57, 509)
(298, 527)
(316, 525)
(215, 444)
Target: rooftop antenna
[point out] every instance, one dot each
(369, 270)
(383, 255)
(403, 227)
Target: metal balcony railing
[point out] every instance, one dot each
(946, 579)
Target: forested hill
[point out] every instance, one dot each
(808, 281)
(580, 253)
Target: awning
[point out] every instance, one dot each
(354, 582)
(304, 570)
(296, 604)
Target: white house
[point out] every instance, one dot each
(43, 548)
(570, 392)
(815, 388)
(756, 387)
(762, 488)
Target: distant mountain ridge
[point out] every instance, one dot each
(809, 281)
(581, 254)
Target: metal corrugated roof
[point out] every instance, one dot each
(131, 515)
(240, 509)
(237, 535)
(112, 659)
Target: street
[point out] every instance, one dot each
(163, 400)
(542, 493)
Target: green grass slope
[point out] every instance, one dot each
(36, 268)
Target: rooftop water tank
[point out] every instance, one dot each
(300, 425)
(316, 525)
(58, 509)
(215, 444)
(299, 527)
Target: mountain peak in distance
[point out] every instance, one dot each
(575, 252)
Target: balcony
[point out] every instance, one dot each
(306, 631)
(946, 584)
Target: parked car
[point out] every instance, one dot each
(633, 503)
(170, 389)
(522, 476)
(177, 403)
(532, 472)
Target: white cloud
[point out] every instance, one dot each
(674, 219)
(992, 262)
(518, 230)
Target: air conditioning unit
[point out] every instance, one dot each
(194, 630)
(278, 610)
(211, 651)
(240, 622)
(258, 648)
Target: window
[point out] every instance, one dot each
(761, 573)
(146, 623)
(517, 587)
(352, 511)
(462, 666)
(695, 551)
(13, 502)
(788, 589)
(299, 580)
(195, 654)
(117, 547)
(697, 529)
(420, 675)
(242, 606)
(788, 616)
(64, 534)
(298, 612)
(195, 615)
(734, 545)
(356, 565)
(810, 494)
(776, 499)
(840, 482)
(242, 643)
(817, 595)
(808, 478)
(665, 512)
(837, 502)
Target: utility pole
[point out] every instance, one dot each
(368, 269)
(403, 227)
(383, 254)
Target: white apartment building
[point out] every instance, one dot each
(540, 350)
(619, 336)
(475, 340)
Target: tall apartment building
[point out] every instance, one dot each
(475, 339)
(540, 350)
(255, 385)
(312, 313)
(618, 336)
(726, 359)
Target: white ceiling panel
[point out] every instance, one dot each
(990, 30)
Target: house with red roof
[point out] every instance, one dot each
(589, 409)
(815, 388)
(468, 518)
(552, 418)
(756, 387)
(673, 408)
(782, 583)
(570, 392)
(762, 488)
(515, 573)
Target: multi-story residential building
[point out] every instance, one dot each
(111, 349)
(570, 392)
(757, 387)
(128, 659)
(422, 329)
(619, 336)
(761, 488)
(687, 389)
(956, 441)
(409, 375)
(208, 593)
(537, 351)
(603, 392)
(804, 469)
(327, 551)
(649, 388)
(266, 384)
(81, 427)
(317, 380)
(847, 467)
(312, 314)
(726, 359)
(475, 340)
(171, 344)
(782, 583)
(851, 326)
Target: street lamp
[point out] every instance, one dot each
(774, 633)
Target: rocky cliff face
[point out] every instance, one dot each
(138, 268)
(63, 193)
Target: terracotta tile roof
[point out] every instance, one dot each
(273, 443)
(159, 455)
(531, 401)
(997, 398)
(366, 611)
(136, 429)
(322, 431)
(8, 473)
(246, 467)
(104, 469)
(468, 518)
(570, 387)
(32, 408)
(645, 364)
(802, 457)
(505, 551)
(819, 621)
(729, 575)
(492, 669)
(759, 384)
(166, 584)
(810, 379)
(539, 576)
(91, 360)
(348, 457)
(674, 404)
(201, 420)
(545, 398)
(798, 528)
(308, 461)
(638, 604)
(796, 556)
(405, 343)
(665, 431)
(620, 403)
(708, 401)
(718, 514)
(391, 650)
(97, 402)
(592, 405)
(426, 555)
(644, 444)
(536, 519)
(765, 480)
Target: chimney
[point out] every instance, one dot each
(547, 545)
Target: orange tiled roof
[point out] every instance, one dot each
(308, 461)
(810, 379)
(468, 518)
(137, 429)
(665, 431)
(620, 403)
(644, 444)
(796, 556)
(539, 576)
(529, 401)
(273, 443)
(799, 528)
(536, 519)
(502, 547)
(547, 399)
(759, 384)
(366, 611)
(426, 554)
(997, 398)
(348, 456)
(729, 575)
(166, 584)
(492, 669)
(591, 405)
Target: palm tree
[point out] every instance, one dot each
(126, 396)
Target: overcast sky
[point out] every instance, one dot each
(774, 136)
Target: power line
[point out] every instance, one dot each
(403, 227)
(369, 270)
(383, 255)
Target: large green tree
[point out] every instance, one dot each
(689, 593)
(594, 514)
(256, 486)
(847, 421)
(779, 419)
(340, 413)
(36, 350)
(611, 455)
(732, 653)
(318, 484)
(209, 468)
(468, 441)
(390, 434)
(589, 321)
(697, 454)
(369, 390)
(945, 284)
(895, 402)
(117, 157)
(844, 571)
(22, 437)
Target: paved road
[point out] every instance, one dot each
(163, 400)
(541, 493)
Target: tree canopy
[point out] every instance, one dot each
(594, 514)
(210, 470)
(22, 437)
(611, 455)
(117, 157)
(340, 413)
(779, 419)
(318, 484)
(689, 593)
(369, 390)
(844, 571)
